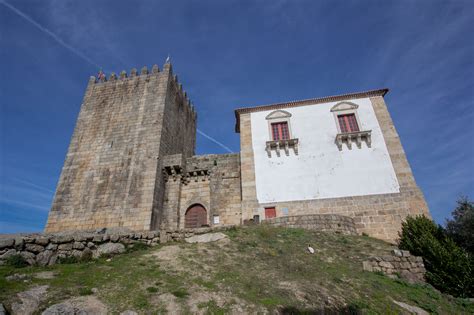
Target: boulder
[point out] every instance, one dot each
(34, 248)
(42, 241)
(3, 311)
(60, 239)
(206, 238)
(129, 312)
(109, 249)
(45, 275)
(9, 253)
(29, 257)
(78, 245)
(17, 277)
(81, 305)
(65, 247)
(6, 242)
(43, 258)
(19, 242)
(52, 246)
(29, 300)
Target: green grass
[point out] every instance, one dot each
(260, 268)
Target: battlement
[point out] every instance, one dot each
(145, 74)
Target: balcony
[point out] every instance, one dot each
(282, 145)
(354, 137)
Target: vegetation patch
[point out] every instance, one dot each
(261, 269)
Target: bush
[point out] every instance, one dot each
(17, 261)
(449, 267)
(461, 227)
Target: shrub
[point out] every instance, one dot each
(461, 227)
(449, 267)
(17, 261)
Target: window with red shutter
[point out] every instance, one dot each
(348, 123)
(280, 131)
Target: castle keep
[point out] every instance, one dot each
(131, 162)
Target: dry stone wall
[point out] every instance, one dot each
(399, 262)
(49, 249)
(317, 222)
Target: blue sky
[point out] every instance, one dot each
(230, 54)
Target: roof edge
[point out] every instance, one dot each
(310, 101)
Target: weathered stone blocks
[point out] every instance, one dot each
(401, 262)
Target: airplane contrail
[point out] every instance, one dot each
(51, 34)
(83, 56)
(214, 140)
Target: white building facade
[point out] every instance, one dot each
(337, 155)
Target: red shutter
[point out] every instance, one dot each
(280, 131)
(348, 123)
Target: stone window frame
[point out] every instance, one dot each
(345, 108)
(278, 116)
(348, 108)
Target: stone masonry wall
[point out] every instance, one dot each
(399, 262)
(178, 136)
(212, 181)
(317, 222)
(111, 172)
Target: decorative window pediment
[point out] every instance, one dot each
(278, 114)
(349, 127)
(280, 135)
(344, 106)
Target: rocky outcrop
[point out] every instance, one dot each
(29, 300)
(81, 305)
(206, 238)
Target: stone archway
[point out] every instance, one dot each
(195, 216)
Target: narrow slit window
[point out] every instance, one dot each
(280, 131)
(348, 123)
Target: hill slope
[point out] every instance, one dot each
(258, 269)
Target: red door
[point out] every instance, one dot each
(270, 212)
(195, 217)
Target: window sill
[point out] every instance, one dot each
(278, 145)
(349, 137)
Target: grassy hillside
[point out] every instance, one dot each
(258, 269)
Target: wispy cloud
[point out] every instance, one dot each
(31, 205)
(28, 183)
(51, 34)
(214, 140)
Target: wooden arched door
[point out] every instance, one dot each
(195, 217)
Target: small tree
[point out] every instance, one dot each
(461, 227)
(449, 268)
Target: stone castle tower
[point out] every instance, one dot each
(112, 175)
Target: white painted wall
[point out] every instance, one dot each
(321, 170)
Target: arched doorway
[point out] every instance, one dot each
(195, 217)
